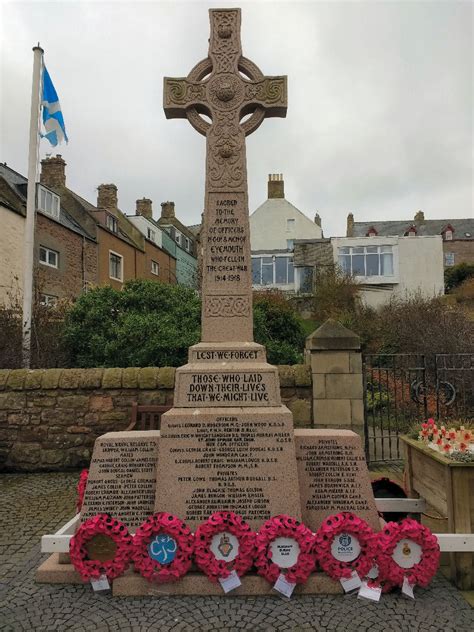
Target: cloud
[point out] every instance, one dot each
(380, 102)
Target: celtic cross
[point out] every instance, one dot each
(226, 87)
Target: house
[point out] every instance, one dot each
(274, 227)
(185, 249)
(384, 267)
(65, 252)
(457, 234)
(123, 251)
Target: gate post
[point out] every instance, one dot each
(333, 351)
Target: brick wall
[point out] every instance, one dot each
(50, 418)
(77, 259)
(463, 250)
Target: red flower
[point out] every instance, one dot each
(439, 441)
(462, 447)
(447, 447)
(431, 421)
(424, 426)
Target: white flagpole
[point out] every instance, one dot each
(28, 255)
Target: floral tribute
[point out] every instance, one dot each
(446, 440)
(112, 530)
(345, 523)
(220, 522)
(164, 559)
(285, 527)
(420, 573)
(81, 488)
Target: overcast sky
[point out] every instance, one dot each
(380, 102)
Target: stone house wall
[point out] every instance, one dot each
(50, 418)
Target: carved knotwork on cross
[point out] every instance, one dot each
(226, 87)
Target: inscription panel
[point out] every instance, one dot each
(241, 462)
(333, 476)
(227, 388)
(122, 477)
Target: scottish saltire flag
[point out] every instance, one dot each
(53, 122)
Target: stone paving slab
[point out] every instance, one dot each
(34, 504)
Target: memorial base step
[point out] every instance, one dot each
(132, 584)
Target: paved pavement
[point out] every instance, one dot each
(34, 504)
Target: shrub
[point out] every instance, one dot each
(455, 275)
(335, 294)
(278, 327)
(145, 324)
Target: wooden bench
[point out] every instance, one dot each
(146, 417)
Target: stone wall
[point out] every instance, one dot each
(50, 418)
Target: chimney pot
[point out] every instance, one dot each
(53, 172)
(276, 186)
(144, 207)
(107, 196)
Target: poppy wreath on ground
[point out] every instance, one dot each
(345, 523)
(225, 522)
(81, 488)
(285, 527)
(116, 540)
(162, 548)
(393, 534)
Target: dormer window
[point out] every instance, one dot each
(411, 232)
(447, 233)
(187, 243)
(48, 202)
(151, 234)
(178, 238)
(372, 232)
(111, 223)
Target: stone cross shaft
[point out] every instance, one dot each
(226, 87)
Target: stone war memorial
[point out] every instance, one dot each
(228, 444)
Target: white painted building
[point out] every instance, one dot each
(274, 226)
(148, 228)
(392, 266)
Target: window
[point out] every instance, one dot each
(305, 279)
(178, 238)
(366, 261)
(449, 259)
(155, 267)
(290, 225)
(272, 271)
(186, 243)
(111, 223)
(115, 266)
(448, 234)
(48, 202)
(48, 300)
(290, 244)
(49, 257)
(151, 234)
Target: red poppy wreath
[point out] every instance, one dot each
(101, 546)
(407, 550)
(345, 543)
(162, 548)
(222, 544)
(284, 547)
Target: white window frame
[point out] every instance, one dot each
(187, 243)
(178, 238)
(448, 235)
(449, 259)
(47, 252)
(381, 249)
(151, 234)
(50, 208)
(117, 254)
(48, 300)
(112, 220)
(273, 265)
(157, 267)
(290, 225)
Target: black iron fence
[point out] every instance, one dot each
(403, 389)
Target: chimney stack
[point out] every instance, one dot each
(167, 210)
(276, 186)
(144, 208)
(350, 225)
(107, 196)
(419, 216)
(53, 173)
(317, 220)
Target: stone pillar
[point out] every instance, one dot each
(336, 366)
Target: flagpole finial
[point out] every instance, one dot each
(38, 48)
